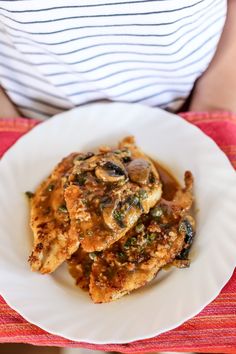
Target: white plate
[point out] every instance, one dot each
(52, 302)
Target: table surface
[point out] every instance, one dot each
(213, 330)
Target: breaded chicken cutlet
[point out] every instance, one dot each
(114, 218)
(159, 238)
(90, 198)
(108, 192)
(50, 222)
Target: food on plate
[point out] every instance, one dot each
(116, 216)
(50, 223)
(159, 238)
(107, 192)
(79, 266)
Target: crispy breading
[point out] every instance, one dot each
(108, 192)
(53, 242)
(157, 239)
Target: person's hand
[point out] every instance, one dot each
(7, 109)
(216, 89)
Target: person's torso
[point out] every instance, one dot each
(58, 54)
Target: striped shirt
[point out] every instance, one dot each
(59, 54)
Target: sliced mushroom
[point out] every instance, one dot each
(111, 172)
(123, 154)
(187, 226)
(82, 157)
(86, 165)
(108, 216)
(139, 171)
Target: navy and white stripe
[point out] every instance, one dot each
(56, 55)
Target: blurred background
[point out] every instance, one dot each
(31, 349)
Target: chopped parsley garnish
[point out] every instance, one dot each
(29, 194)
(130, 242)
(92, 256)
(50, 187)
(80, 179)
(63, 209)
(139, 228)
(151, 237)
(142, 194)
(122, 256)
(157, 212)
(119, 217)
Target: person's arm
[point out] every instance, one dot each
(7, 109)
(216, 89)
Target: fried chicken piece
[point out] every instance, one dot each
(108, 192)
(79, 266)
(164, 236)
(53, 242)
(156, 240)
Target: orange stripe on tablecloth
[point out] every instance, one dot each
(15, 326)
(230, 153)
(226, 302)
(230, 146)
(19, 125)
(216, 317)
(210, 120)
(209, 116)
(207, 324)
(14, 130)
(230, 149)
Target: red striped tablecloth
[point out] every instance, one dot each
(212, 331)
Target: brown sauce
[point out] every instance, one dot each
(170, 184)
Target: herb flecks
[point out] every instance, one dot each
(157, 212)
(139, 228)
(50, 188)
(122, 256)
(132, 241)
(151, 237)
(29, 194)
(80, 179)
(152, 178)
(126, 159)
(117, 152)
(118, 215)
(63, 209)
(142, 194)
(93, 256)
(90, 233)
